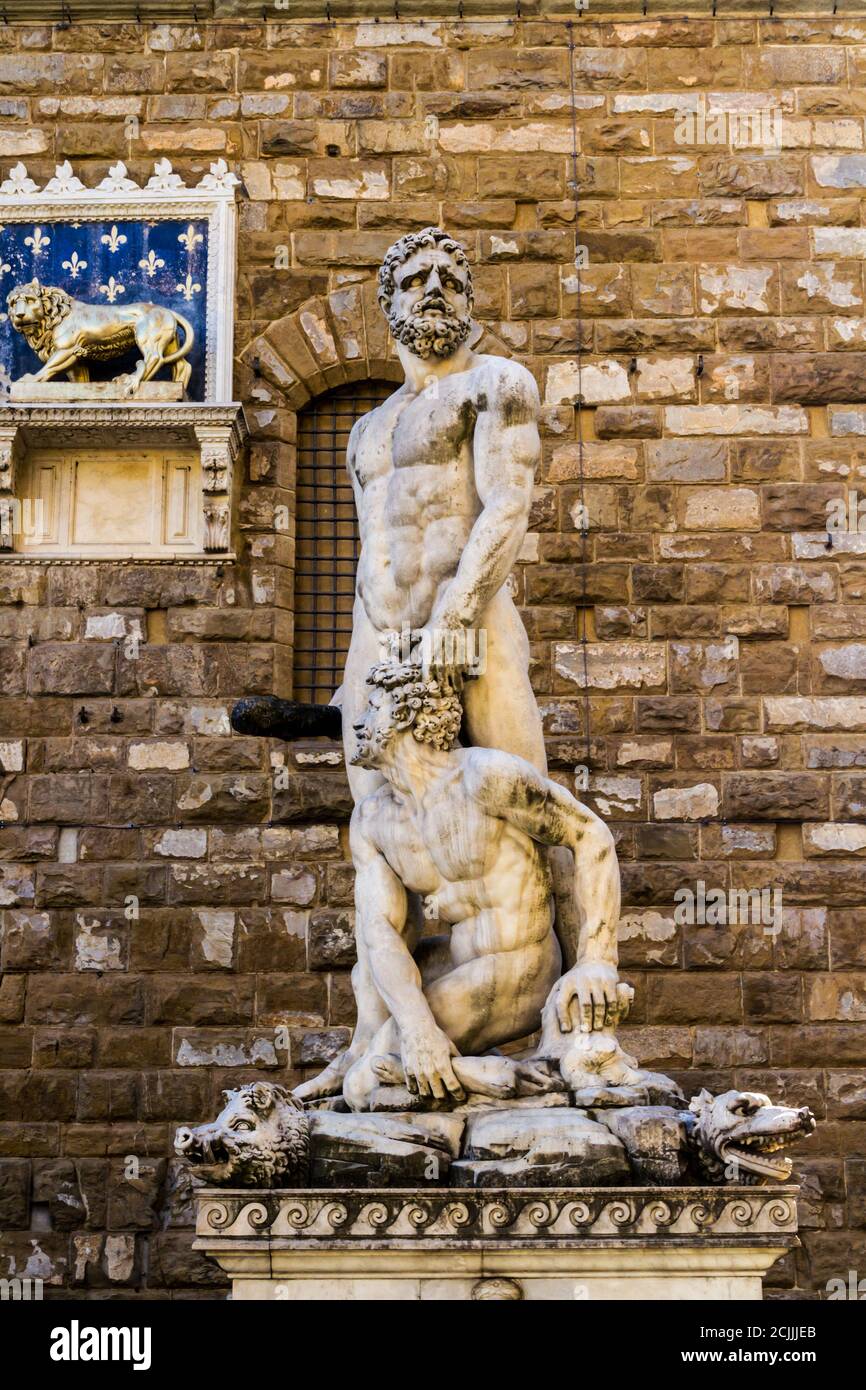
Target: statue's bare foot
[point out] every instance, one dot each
(329, 1082)
(597, 1058)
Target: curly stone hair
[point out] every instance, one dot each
(430, 708)
(400, 252)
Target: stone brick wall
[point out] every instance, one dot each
(174, 921)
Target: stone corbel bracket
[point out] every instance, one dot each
(219, 432)
(165, 195)
(219, 447)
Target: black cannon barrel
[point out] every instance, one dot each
(270, 717)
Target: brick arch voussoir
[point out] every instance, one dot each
(320, 345)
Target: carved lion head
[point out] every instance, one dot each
(35, 310)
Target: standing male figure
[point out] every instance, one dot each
(443, 474)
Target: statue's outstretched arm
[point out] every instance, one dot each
(596, 871)
(512, 789)
(506, 449)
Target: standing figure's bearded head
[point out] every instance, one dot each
(425, 291)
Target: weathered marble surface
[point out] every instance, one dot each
(460, 946)
(463, 830)
(265, 1137)
(68, 391)
(443, 475)
(455, 818)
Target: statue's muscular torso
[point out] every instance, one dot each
(476, 872)
(412, 467)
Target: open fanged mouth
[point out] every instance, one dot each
(755, 1154)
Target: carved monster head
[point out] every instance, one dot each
(401, 699)
(743, 1130)
(259, 1139)
(35, 310)
(425, 292)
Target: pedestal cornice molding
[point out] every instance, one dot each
(231, 1218)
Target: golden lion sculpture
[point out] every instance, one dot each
(66, 334)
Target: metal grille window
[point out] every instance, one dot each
(326, 537)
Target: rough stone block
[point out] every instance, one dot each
(539, 1147)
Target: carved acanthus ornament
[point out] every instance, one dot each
(219, 446)
(163, 179)
(217, 520)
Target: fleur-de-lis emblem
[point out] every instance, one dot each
(38, 241)
(112, 289)
(4, 266)
(163, 178)
(151, 264)
(220, 179)
(190, 239)
(64, 180)
(188, 288)
(113, 240)
(73, 265)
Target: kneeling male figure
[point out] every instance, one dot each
(464, 828)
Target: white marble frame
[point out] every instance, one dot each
(165, 195)
(219, 431)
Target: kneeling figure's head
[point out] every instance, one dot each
(401, 699)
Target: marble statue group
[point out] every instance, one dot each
(457, 952)
(476, 985)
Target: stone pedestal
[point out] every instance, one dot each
(588, 1243)
(78, 392)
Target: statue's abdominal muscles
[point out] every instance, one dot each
(416, 519)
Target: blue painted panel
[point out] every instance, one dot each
(162, 261)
